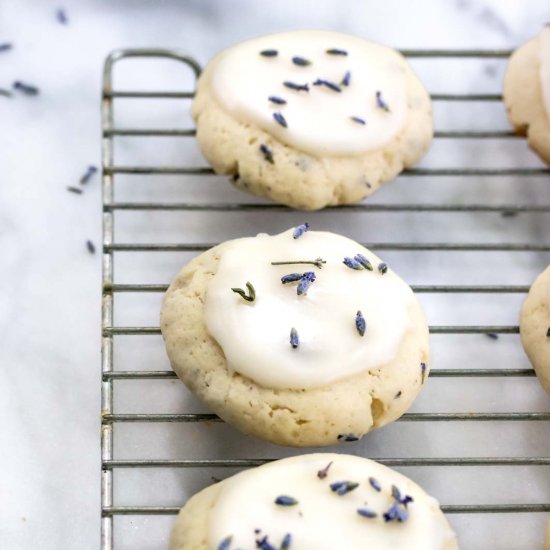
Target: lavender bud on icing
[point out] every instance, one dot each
(300, 230)
(360, 324)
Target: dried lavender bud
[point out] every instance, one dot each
(264, 544)
(286, 542)
(423, 371)
(343, 487)
(6, 46)
(250, 297)
(375, 484)
(328, 84)
(383, 268)
(61, 16)
(285, 500)
(280, 119)
(352, 264)
(269, 53)
(366, 513)
(76, 190)
(336, 51)
(492, 335)
(301, 61)
(294, 338)
(300, 230)
(267, 154)
(27, 89)
(360, 324)
(396, 513)
(346, 79)
(277, 100)
(291, 278)
(296, 87)
(5, 93)
(358, 120)
(90, 246)
(381, 103)
(398, 394)
(363, 261)
(88, 175)
(396, 494)
(321, 474)
(305, 282)
(225, 544)
(348, 438)
(548, 333)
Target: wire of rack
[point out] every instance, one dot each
(109, 509)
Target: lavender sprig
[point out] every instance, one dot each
(383, 268)
(300, 230)
(352, 264)
(269, 53)
(305, 282)
(88, 175)
(359, 120)
(294, 338)
(321, 474)
(277, 100)
(318, 263)
(363, 261)
(343, 487)
(285, 500)
(360, 324)
(225, 544)
(250, 297)
(27, 89)
(286, 542)
(328, 84)
(375, 484)
(267, 153)
(381, 103)
(279, 118)
(301, 61)
(346, 79)
(336, 51)
(291, 278)
(366, 513)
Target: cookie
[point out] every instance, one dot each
(311, 118)
(527, 92)
(304, 338)
(321, 501)
(534, 327)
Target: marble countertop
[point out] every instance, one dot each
(50, 283)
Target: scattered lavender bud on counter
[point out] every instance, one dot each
(492, 335)
(301, 61)
(267, 154)
(423, 371)
(327, 84)
(383, 268)
(6, 46)
(90, 246)
(336, 51)
(366, 513)
(225, 544)
(381, 103)
(27, 89)
(285, 500)
(294, 338)
(352, 264)
(291, 278)
(359, 120)
(343, 487)
(279, 118)
(321, 474)
(250, 297)
(76, 190)
(375, 484)
(348, 438)
(277, 100)
(269, 53)
(300, 230)
(363, 261)
(347, 79)
(88, 175)
(286, 542)
(360, 324)
(305, 282)
(296, 87)
(61, 16)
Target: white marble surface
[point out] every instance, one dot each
(50, 284)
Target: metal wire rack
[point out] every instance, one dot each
(111, 288)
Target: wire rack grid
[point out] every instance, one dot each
(428, 419)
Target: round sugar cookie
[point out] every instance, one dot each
(527, 92)
(535, 327)
(311, 118)
(317, 501)
(305, 338)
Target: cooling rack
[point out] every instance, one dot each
(495, 368)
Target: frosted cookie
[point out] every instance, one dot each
(527, 92)
(304, 338)
(535, 327)
(311, 118)
(316, 501)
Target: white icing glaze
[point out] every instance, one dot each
(255, 336)
(323, 520)
(544, 70)
(319, 120)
